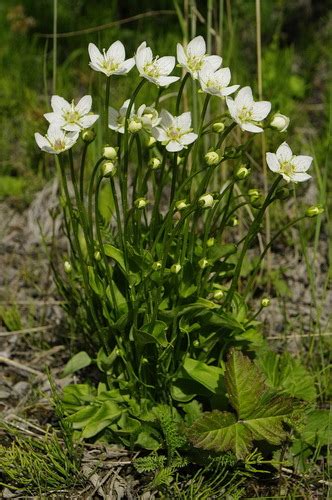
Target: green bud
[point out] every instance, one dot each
(97, 255)
(210, 242)
(253, 192)
(196, 343)
(181, 205)
(175, 268)
(109, 169)
(88, 136)
(154, 163)
(218, 127)
(203, 263)
(144, 361)
(233, 222)
(232, 152)
(242, 173)
(67, 267)
(212, 158)
(141, 203)
(265, 302)
(151, 141)
(279, 122)
(156, 265)
(206, 201)
(218, 295)
(119, 352)
(110, 153)
(179, 160)
(314, 211)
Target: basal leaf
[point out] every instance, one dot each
(219, 431)
(77, 362)
(244, 384)
(209, 376)
(115, 254)
(106, 414)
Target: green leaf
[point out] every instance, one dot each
(95, 282)
(209, 376)
(77, 362)
(103, 417)
(82, 416)
(115, 254)
(157, 335)
(261, 414)
(287, 374)
(318, 428)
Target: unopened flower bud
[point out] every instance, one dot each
(233, 222)
(181, 205)
(253, 192)
(119, 352)
(175, 268)
(206, 201)
(110, 153)
(212, 158)
(67, 267)
(179, 160)
(242, 173)
(88, 136)
(265, 302)
(97, 256)
(210, 242)
(151, 141)
(314, 211)
(144, 361)
(255, 198)
(109, 169)
(218, 127)
(196, 343)
(141, 203)
(218, 295)
(203, 263)
(154, 163)
(134, 126)
(279, 122)
(156, 265)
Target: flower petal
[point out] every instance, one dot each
(272, 162)
(72, 127)
(224, 76)
(167, 119)
(84, 105)
(159, 134)
(302, 162)
(250, 127)
(88, 120)
(94, 53)
(163, 81)
(113, 115)
(183, 121)
(116, 52)
(300, 177)
(126, 66)
(188, 138)
(284, 152)
(174, 146)
(260, 110)
(231, 107)
(196, 47)
(229, 90)
(213, 61)
(41, 140)
(244, 98)
(181, 55)
(166, 64)
(59, 104)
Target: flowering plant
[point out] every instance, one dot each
(156, 286)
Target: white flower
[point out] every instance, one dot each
(216, 82)
(292, 168)
(194, 58)
(280, 122)
(156, 70)
(111, 62)
(70, 117)
(149, 116)
(246, 112)
(56, 140)
(174, 132)
(117, 119)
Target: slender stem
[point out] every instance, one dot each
(174, 177)
(225, 134)
(266, 249)
(251, 233)
(82, 170)
(55, 42)
(101, 245)
(90, 193)
(181, 89)
(107, 100)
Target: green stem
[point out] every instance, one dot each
(174, 177)
(266, 249)
(107, 100)
(90, 193)
(254, 228)
(181, 89)
(82, 169)
(225, 134)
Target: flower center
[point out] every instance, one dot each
(195, 63)
(109, 64)
(58, 145)
(174, 133)
(151, 69)
(245, 114)
(287, 167)
(71, 116)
